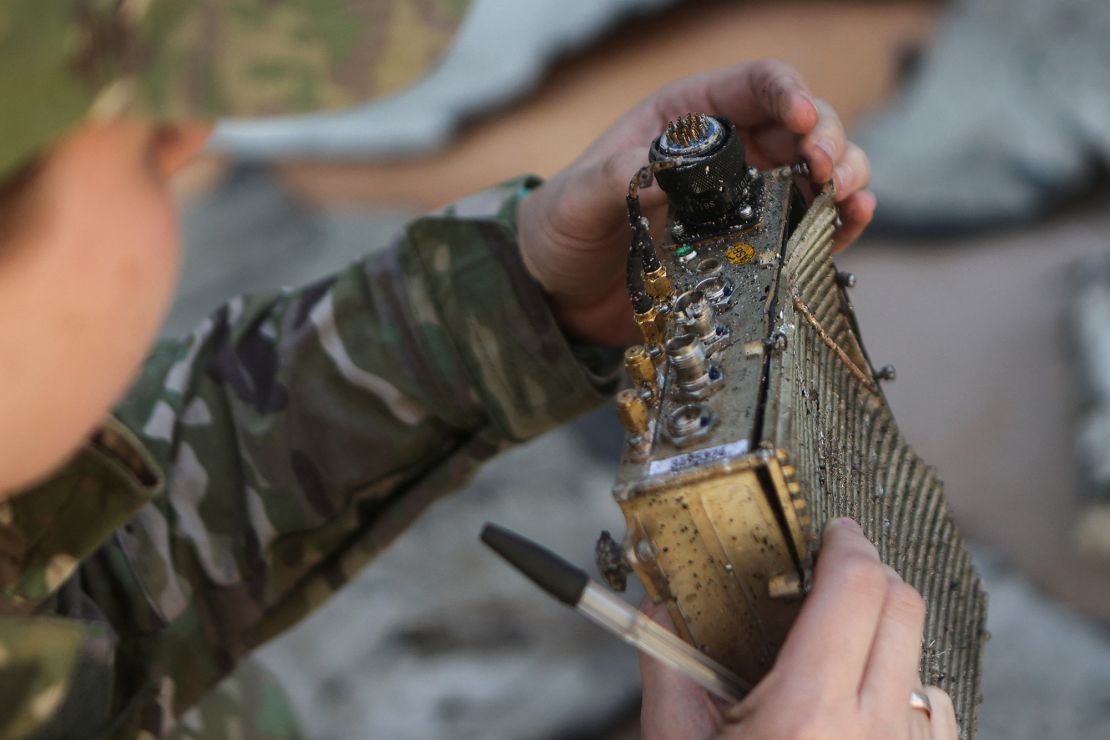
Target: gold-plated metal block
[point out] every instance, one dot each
(718, 539)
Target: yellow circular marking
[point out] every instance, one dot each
(740, 253)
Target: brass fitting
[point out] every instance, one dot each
(641, 368)
(658, 284)
(633, 412)
(648, 321)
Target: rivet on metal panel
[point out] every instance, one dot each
(886, 372)
(778, 342)
(645, 551)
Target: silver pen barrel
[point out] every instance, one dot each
(638, 629)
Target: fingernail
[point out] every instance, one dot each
(807, 97)
(843, 174)
(826, 146)
(847, 523)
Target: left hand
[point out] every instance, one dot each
(845, 672)
(574, 233)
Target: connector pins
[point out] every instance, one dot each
(688, 129)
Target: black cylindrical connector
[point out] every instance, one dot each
(637, 291)
(710, 187)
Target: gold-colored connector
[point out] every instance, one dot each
(648, 321)
(632, 412)
(658, 284)
(641, 368)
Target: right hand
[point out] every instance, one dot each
(845, 671)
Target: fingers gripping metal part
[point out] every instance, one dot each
(751, 348)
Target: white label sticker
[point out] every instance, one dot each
(697, 458)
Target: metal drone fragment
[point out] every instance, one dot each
(754, 416)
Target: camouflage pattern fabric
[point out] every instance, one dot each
(62, 62)
(260, 463)
(250, 704)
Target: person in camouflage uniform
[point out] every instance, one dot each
(160, 517)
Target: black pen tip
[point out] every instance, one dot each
(549, 571)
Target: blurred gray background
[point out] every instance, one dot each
(986, 121)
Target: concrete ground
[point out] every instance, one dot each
(974, 326)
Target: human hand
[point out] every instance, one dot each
(846, 670)
(574, 234)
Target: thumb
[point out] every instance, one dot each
(602, 185)
(673, 705)
(620, 168)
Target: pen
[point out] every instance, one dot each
(573, 587)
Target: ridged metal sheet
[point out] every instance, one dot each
(854, 462)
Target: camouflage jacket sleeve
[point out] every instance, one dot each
(258, 464)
